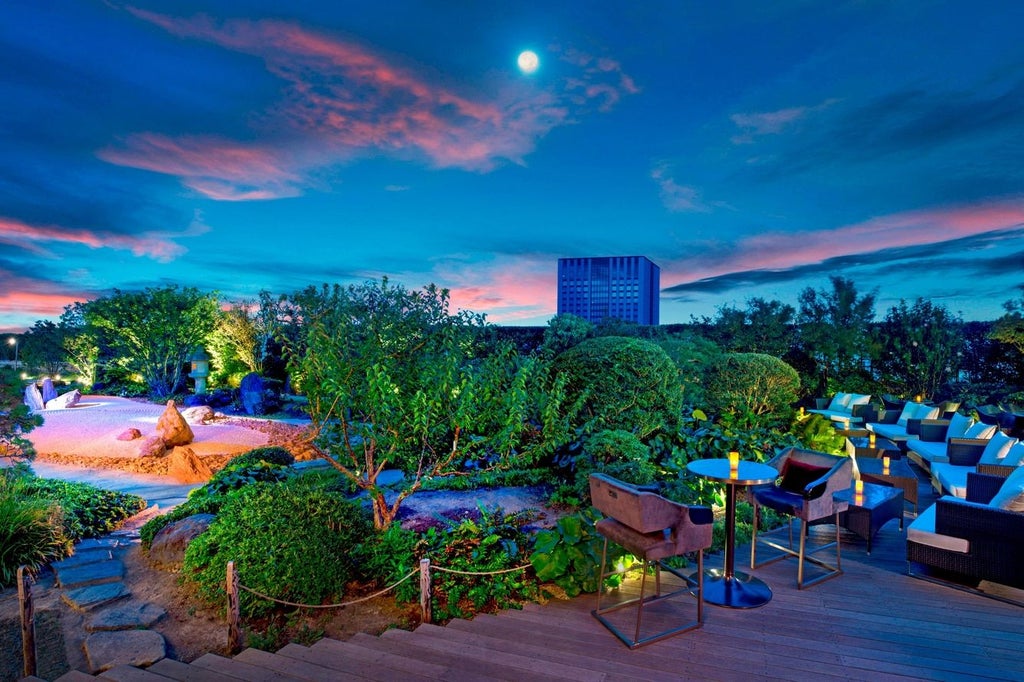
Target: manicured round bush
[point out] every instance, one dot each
(754, 383)
(288, 541)
(622, 383)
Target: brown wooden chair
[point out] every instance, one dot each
(651, 528)
(807, 482)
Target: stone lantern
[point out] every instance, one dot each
(200, 370)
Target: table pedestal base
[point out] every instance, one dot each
(741, 591)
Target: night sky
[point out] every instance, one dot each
(748, 148)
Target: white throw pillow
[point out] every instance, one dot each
(909, 410)
(859, 399)
(998, 445)
(1014, 456)
(926, 412)
(840, 403)
(1011, 495)
(981, 430)
(958, 426)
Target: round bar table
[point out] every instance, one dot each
(727, 587)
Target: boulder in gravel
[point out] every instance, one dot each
(152, 447)
(186, 467)
(65, 400)
(168, 547)
(130, 434)
(200, 414)
(173, 428)
(33, 398)
(49, 392)
(252, 393)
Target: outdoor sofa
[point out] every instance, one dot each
(973, 539)
(905, 424)
(845, 409)
(1000, 457)
(939, 440)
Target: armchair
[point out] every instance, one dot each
(941, 440)
(808, 480)
(980, 538)
(651, 528)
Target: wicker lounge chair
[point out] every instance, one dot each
(651, 528)
(967, 541)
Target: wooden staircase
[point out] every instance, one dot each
(509, 646)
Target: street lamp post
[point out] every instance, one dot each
(13, 341)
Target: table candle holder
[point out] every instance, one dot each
(858, 487)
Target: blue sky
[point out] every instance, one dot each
(747, 148)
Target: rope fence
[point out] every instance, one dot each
(426, 590)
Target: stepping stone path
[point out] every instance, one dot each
(92, 583)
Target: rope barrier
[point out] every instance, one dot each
(328, 606)
(504, 570)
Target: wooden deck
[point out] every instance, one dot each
(874, 622)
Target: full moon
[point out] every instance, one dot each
(528, 61)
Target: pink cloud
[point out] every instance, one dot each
(772, 122)
(779, 251)
(30, 237)
(345, 100)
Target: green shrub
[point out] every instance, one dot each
(31, 534)
(388, 556)
(272, 455)
(569, 555)
(616, 453)
(287, 541)
(816, 432)
(195, 504)
(758, 386)
(495, 542)
(621, 383)
(88, 511)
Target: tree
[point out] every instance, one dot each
(751, 385)
(565, 331)
(763, 327)
(42, 347)
(153, 332)
(240, 342)
(79, 342)
(394, 380)
(834, 329)
(16, 419)
(921, 348)
(1009, 328)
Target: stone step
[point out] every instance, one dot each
(291, 666)
(90, 574)
(82, 558)
(89, 598)
(491, 649)
(239, 670)
(127, 673)
(105, 650)
(130, 614)
(390, 665)
(75, 676)
(106, 542)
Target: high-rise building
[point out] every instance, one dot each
(616, 287)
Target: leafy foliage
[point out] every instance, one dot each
(835, 331)
(16, 420)
(617, 453)
(569, 555)
(751, 384)
(762, 327)
(153, 332)
(494, 542)
(920, 346)
(88, 511)
(621, 383)
(288, 540)
(396, 381)
(565, 331)
(31, 534)
(816, 432)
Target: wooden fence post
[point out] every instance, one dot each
(28, 624)
(234, 630)
(426, 603)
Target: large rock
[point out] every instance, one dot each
(33, 398)
(186, 467)
(152, 447)
(139, 648)
(64, 401)
(169, 544)
(200, 414)
(49, 392)
(173, 428)
(126, 615)
(253, 395)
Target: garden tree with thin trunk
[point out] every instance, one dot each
(763, 327)
(42, 348)
(79, 343)
(239, 343)
(834, 329)
(395, 380)
(16, 419)
(153, 332)
(920, 348)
